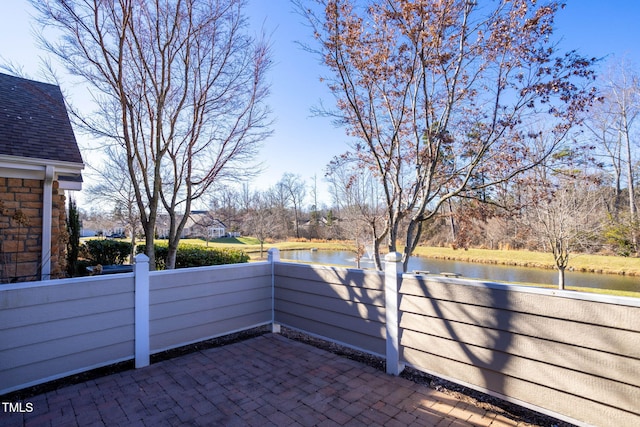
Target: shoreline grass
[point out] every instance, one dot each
(587, 263)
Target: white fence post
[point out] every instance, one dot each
(141, 279)
(273, 256)
(392, 268)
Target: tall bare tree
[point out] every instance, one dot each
(180, 87)
(357, 195)
(614, 125)
(294, 187)
(440, 96)
(262, 220)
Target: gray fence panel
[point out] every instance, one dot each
(53, 329)
(563, 354)
(339, 304)
(191, 305)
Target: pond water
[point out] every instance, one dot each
(490, 272)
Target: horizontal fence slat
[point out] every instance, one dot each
(350, 338)
(209, 302)
(190, 292)
(211, 274)
(65, 290)
(535, 324)
(320, 315)
(69, 346)
(333, 290)
(52, 369)
(560, 378)
(189, 320)
(337, 305)
(575, 407)
(517, 298)
(41, 333)
(369, 279)
(605, 365)
(73, 308)
(174, 338)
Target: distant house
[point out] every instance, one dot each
(202, 225)
(199, 225)
(323, 221)
(39, 160)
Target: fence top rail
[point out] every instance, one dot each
(576, 295)
(207, 267)
(69, 281)
(330, 267)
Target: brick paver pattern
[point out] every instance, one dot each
(264, 381)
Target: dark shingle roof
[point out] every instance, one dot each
(34, 121)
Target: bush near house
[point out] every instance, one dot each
(196, 256)
(107, 252)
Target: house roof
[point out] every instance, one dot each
(203, 219)
(34, 122)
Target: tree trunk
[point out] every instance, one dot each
(376, 252)
(149, 240)
(172, 254)
(561, 277)
(452, 223)
(630, 186)
(132, 255)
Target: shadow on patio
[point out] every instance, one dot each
(265, 380)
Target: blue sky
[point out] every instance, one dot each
(303, 144)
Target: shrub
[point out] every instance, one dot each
(196, 256)
(107, 252)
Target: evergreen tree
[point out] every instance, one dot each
(73, 245)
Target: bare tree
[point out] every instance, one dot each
(262, 220)
(180, 87)
(440, 96)
(225, 204)
(278, 199)
(294, 188)
(563, 217)
(357, 195)
(613, 125)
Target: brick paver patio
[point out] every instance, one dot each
(264, 381)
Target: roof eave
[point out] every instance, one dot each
(32, 163)
(34, 168)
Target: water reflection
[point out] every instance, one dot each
(493, 272)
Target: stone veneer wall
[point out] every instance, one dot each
(21, 230)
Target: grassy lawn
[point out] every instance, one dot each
(251, 245)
